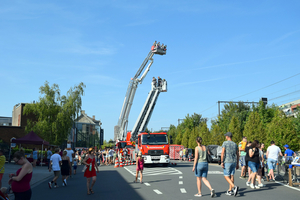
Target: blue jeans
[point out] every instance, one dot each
(229, 169)
(253, 166)
(272, 163)
(201, 169)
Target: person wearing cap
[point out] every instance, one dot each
(288, 153)
(272, 154)
(230, 162)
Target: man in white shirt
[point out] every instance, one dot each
(272, 154)
(70, 154)
(55, 159)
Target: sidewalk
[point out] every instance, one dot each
(40, 173)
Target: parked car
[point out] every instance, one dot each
(215, 152)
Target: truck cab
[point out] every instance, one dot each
(154, 148)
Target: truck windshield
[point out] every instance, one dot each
(154, 139)
(122, 145)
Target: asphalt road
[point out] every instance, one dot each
(174, 182)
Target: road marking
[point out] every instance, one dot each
(180, 177)
(157, 191)
(180, 182)
(147, 184)
(214, 172)
(154, 171)
(287, 186)
(182, 190)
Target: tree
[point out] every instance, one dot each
(234, 128)
(192, 139)
(282, 131)
(254, 129)
(178, 139)
(204, 133)
(217, 137)
(54, 114)
(185, 138)
(172, 134)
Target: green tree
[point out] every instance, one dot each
(54, 114)
(192, 139)
(234, 128)
(178, 139)
(217, 137)
(185, 138)
(204, 133)
(254, 129)
(172, 134)
(282, 130)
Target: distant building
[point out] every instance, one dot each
(87, 131)
(5, 121)
(290, 109)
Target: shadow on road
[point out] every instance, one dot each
(109, 185)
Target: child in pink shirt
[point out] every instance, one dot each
(139, 167)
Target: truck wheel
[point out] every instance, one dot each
(165, 164)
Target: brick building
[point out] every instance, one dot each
(19, 121)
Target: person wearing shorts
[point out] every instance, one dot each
(272, 154)
(242, 149)
(230, 162)
(201, 167)
(254, 162)
(56, 163)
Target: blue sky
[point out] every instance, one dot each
(217, 50)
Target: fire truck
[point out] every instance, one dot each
(154, 146)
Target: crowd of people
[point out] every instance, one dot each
(250, 155)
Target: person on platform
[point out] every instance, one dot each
(20, 182)
(90, 172)
(139, 167)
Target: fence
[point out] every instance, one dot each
(282, 170)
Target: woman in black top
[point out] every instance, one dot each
(254, 162)
(247, 159)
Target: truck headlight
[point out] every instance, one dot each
(145, 158)
(167, 157)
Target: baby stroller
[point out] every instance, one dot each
(4, 194)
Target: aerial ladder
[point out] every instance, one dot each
(147, 110)
(120, 130)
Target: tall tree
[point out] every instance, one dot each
(204, 133)
(192, 139)
(282, 130)
(54, 114)
(185, 138)
(217, 137)
(234, 128)
(254, 129)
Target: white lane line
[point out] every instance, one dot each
(287, 186)
(182, 190)
(180, 177)
(180, 182)
(157, 191)
(147, 184)
(129, 171)
(179, 172)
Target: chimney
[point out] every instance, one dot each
(82, 112)
(93, 117)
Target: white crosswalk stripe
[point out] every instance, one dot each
(154, 171)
